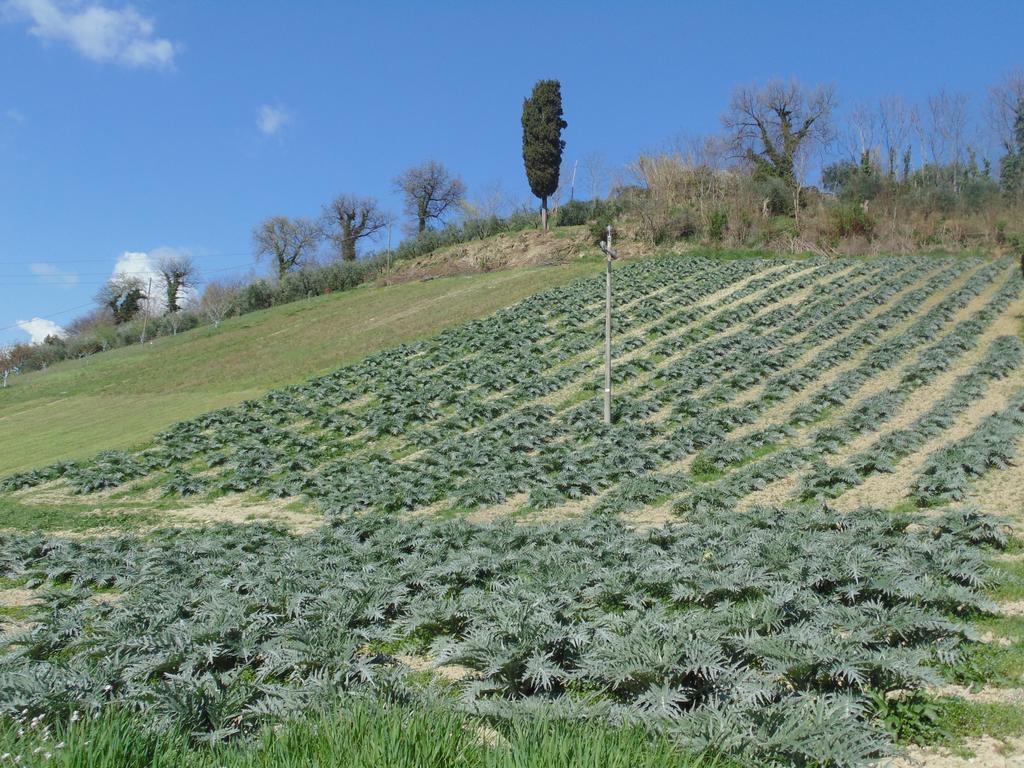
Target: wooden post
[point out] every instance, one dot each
(145, 319)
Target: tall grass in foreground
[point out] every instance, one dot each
(358, 736)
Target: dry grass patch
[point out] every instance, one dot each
(1002, 493)
(452, 673)
(235, 508)
(16, 597)
(982, 752)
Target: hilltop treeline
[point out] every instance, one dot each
(890, 177)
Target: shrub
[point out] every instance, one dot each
(778, 195)
(257, 295)
(599, 229)
(84, 344)
(718, 222)
(1000, 236)
(578, 212)
(574, 213)
(849, 220)
(782, 226)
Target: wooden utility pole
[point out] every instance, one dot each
(145, 318)
(610, 254)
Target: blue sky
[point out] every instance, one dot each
(130, 128)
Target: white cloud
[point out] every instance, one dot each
(136, 264)
(15, 116)
(98, 33)
(49, 273)
(272, 119)
(39, 329)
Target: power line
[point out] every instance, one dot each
(47, 317)
(110, 274)
(19, 262)
(91, 303)
(35, 279)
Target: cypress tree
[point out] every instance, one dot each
(542, 141)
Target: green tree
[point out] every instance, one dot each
(1011, 167)
(123, 296)
(542, 141)
(178, 273)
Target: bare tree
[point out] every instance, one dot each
(944, 124)
(896, 120)
(1004, 100)
(769, 126)
(490, 201)
(287, 242)
(861, 133)
(217, 301)
(179, 273)
(89, 322)
(945, 130)
(347, 219)
(430, 192)
(596, 168)
(175, 320)
(10, 361)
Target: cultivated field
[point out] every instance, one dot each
(779, 552)
(123, 397)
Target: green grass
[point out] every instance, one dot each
(17, 515)
(928, 720)
(1012, 585)
(992, 664)
(119, 399)
(15, 612)
(360, 736)
(997, 664)
(963, 719)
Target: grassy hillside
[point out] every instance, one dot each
(120, 398)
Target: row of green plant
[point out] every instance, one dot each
(1002, 357)
(259, 451)
(457, 421)
(765, 636)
